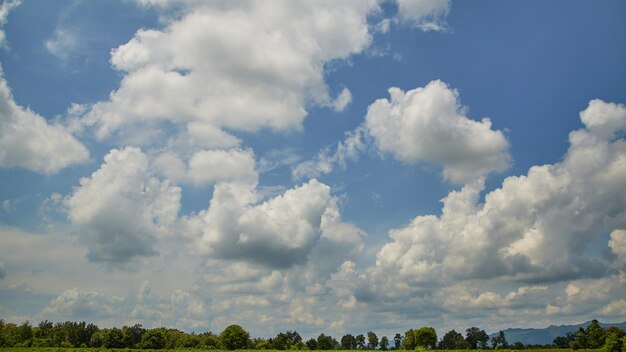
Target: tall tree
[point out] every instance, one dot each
(476, 337)
(360, 341)
(397, 341)
(408, 343)
(450, 341)
(325, 342)
(384, 343)
(372, 340)
(425, 337)
(348, 342)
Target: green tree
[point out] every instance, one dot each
(360, 341)
(476, 337)
(595, 335)
(113, 338)
(451, 340)
(408, 343)
(397, 341)
(153, 339)
(499, 341)
(384, 343)
(372, 340)
(325, 342)
(561, 342)
(348, 342)
(425, 337)
(612, 344)
(311, 344)
(234, 337)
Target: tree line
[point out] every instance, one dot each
(82, 334)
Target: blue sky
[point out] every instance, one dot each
(321, 166)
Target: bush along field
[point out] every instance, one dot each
(81, 336)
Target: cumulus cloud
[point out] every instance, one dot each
(207, 167)
(617, 243)
(279, 232)
(75, 304)
(27, 140)
(534, 228)
(428, 15)
(121, 209)
(429, 124)
(263, 67)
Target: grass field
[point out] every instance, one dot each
(61, 349)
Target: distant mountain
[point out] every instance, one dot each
(546, 335)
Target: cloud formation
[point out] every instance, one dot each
(427, 15)
(261, 65)
(278, 232)
(121, 209)
(534, 228)
(27, 140)
(428, 124)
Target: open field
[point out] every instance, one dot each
(61, 349)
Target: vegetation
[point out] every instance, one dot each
(81, 336)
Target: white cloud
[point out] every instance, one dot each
(5, 8)
(62, 43)
(535, 227)
(343, 100)
(428, 124)
(207, 167)
(75, 304)
(28, 141)
(264, 68)
(325, 161)
(604, 119)
(212, 166)
(428, 15)
(617, 243)
(121, 209)
(278, 232)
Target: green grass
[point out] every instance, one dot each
(62, 349)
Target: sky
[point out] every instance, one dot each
(319, 166)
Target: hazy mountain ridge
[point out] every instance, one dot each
(546, 335)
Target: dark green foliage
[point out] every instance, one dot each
(234, 337)
(153, 339)
(397, 341)
(499, 341)
(311, 344)
(348, 342)
(372, 340)
(452, 340)
(384, 343)
(325, 342)
(425, 337)
(360, 341)
(476, 337)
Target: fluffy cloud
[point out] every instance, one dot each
(428, 15)
(429, 124)
(75, 304)
(207, 167)
(238, 65)
(617, 243)
(120, 209)
(279, 232)
(535, 227)
(27, 140)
